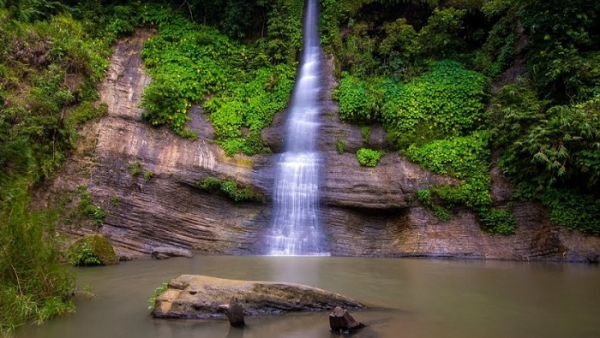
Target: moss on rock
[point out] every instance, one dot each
(92, 250)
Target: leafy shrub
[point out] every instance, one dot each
(425, 196)
(188, 62)
(340, 146)
(465, 158)
(87, 208)
(84, 257)
(368, 157)
(232, 190)
(457, 157)
(498, 221)
(135, 168)
(360, 101)
(573, 210)
(549, 148)
(441, 37)
(449, 99)
(148, 174)
(92, 250)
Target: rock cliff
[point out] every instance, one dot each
(366, 211)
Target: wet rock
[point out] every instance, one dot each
(235, 313)
(167, 252)
(202, 297)
(340, 321)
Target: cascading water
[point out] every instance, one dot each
(295, 225)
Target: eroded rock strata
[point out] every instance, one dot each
(366, 211)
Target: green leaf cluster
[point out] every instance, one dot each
(92, 250)
(360, 101)
(231, 189)
(449, 101)
(190, 63)
(457, 157)
(369, 157)
(86, 207)
(465, 158)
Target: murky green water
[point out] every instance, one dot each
(423, 298)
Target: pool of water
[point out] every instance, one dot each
(413, 297)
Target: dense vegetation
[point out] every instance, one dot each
(50, 63)
(543, 58)
(242, 85)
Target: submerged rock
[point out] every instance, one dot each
(203, 297)
(341, 321)
(235, 313)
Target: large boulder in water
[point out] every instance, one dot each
(203, 297)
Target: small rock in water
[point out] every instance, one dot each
(167, 252)
(235, 313)
(341, 321)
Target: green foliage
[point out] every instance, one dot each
(573, 210)
(157, 292)
(400, 50)
(340, 146)
(548, 148)
(232, 189)
(148, 174)
(365, 132)
(87, 208)
(34, 285)
(368, 157)
(425, 196)
(564, 49)
(441, 37)
(360, 100)
(497, 221)
(449, 100)
(189, 62)
(457, 157)
(465, 158)
(135, 168)
(50, 64)
(114, 201)
(92, 250)
(84, 256)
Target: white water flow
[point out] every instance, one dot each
(295, 224)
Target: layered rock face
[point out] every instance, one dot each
(365, 211)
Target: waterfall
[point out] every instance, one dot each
(295, 224)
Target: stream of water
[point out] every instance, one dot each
(295, 224)
(416, 298)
